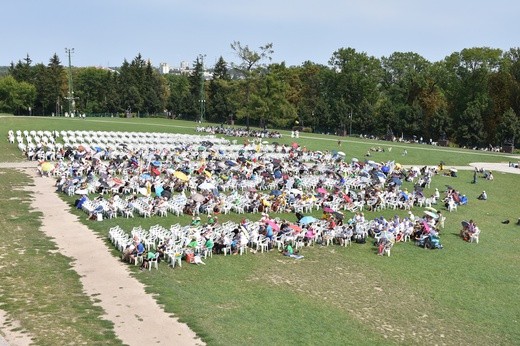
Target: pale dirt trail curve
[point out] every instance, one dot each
(137, 318)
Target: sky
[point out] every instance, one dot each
(106, 32)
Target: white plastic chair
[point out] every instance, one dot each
(154, 261)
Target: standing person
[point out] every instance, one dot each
(475, 175)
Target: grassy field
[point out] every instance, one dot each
(461, 295)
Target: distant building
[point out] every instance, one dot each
(184, 66)
(164, 68)
(185, 69)
(109, 69)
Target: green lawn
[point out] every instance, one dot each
(463, 294)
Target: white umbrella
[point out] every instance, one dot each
(340, 153)
(206, 186)
(354, 159)
(296, 191)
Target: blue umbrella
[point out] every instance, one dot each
(385, 169)
(397, 181)
(307, 219)
(146, 176)
(156, 163)
(381, 176)
(276, 193)
(230, 163)
(158, 190)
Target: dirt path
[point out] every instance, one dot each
(137, 318)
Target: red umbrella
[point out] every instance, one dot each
(295, 227)
(347, 198)
(294, 145)
(155, 171)
(117, 181)
(328, 210)
(321, 190)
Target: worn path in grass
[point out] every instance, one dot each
(137, 318)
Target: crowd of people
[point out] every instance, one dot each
(238, 132)
(203, 175)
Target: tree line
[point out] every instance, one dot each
(471, 97)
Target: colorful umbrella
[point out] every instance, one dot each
(145, 176)
(47, 167)
(295, 227)
(328, 210)
(155, 172)
(273, 224)
(230, 163)
(431, 214)
(206, 186)
(181, 176)
(321, 190)
(307, 219)
(339, 215)
(397, 181)
(159, 190)
(296, 191)
(198, 197)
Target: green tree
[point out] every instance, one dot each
(249, 68)
(467, 81)
(356, 81)
(92, 86)
(179, 95)
(220, 107)
(471, 130)
(406, 85)
(154, 91)
(129, 87)
(22, 71)
(509, 127)
(56, 84)
(270, 102)
(15, 97)
(196, 83)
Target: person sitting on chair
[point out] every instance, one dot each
(149, 255)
